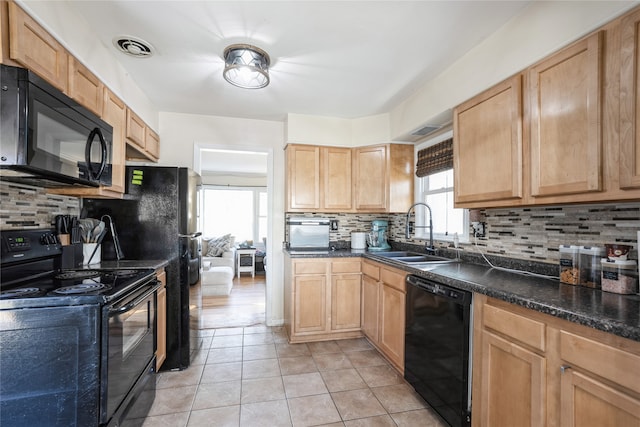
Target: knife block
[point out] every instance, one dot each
(72, 256)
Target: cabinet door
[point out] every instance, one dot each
(585, 402)
(371, 178)
(136, 130)
(336, 178)
(630, 102)
(370, 306)
(392, 319)
(85, 87)
(152, 143)
(34, 48)
(487, 145)
(303, 183)
(566, 116)
(513, 386)
(114, 113)
(345, 301)
(310, 304)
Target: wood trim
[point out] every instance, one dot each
(528, 331)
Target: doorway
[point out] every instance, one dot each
(235, 199)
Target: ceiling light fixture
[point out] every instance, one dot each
(246, 66)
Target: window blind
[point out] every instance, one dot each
(436, 158)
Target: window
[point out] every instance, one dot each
(241, 212)
(435, 167)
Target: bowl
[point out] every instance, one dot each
(617, 252)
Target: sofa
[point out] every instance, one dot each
(218, 265)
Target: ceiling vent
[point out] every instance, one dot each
(133, 46)
(425, 130)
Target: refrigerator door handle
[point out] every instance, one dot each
(191, 236)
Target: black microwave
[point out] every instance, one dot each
(48, 139)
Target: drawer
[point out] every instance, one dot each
(371, 270)
(525, 330)
(394, 278)
(606, 361)
(310, 267)
(350, 266)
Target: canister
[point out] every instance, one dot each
(619, 276)
(590, 268)
(570, 264)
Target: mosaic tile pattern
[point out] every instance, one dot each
(524, 233)
(24, 206)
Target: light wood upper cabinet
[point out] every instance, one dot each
(33, 47)
(566, 120)
(85, 87)
(152, 143)
(303, 178)
(630, 102)
(136, 130)
(383, 177)
(336, 174)
(488, 146)
(142, 143)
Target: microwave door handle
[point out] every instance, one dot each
(103, 150)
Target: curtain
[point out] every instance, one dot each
(436, 158)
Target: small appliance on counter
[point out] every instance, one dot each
(359, 240)
(377, 237)
(308, 234)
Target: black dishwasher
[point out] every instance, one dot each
(437, 347)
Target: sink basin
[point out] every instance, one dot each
(396, 254)
(415, 259)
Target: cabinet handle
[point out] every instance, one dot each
(564, 368)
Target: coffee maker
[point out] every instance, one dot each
(377, 237)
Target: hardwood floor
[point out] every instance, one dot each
(243, 307)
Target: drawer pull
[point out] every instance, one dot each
(564, 368)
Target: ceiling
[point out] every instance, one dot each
(346, 59)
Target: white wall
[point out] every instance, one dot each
(542, 28)
(182, 135)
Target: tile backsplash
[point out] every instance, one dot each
(24, 206)
(532, 234)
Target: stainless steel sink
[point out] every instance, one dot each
(415, 259)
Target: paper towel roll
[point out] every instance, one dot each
(358, 241)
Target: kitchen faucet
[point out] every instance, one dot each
(430, 248)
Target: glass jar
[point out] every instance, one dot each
(619, 276)
(570, 264)
(590, 267)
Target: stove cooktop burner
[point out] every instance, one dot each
(21, 292)
(81, 288)
(84, 274)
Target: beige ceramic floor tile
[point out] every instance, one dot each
(262, 390)
(357, 404)
(258, 329)
(377, 376)
(297, 365)
(418, 418)
(173, 400)
(260, 368)
(171, 379)
(332, 361)
(356, 344)
(258, 339)
(324, 347)
(220, 372)
(365, 358)
(229, 331)
(303, 385)
(398, 398)
(343, 380)
(214, 395)
(255, 352)
(313, 410)
(379, 421)
(223, 355)
(262, 414)
(169, 420)
(227, 416)
(292, 350)
(226, 341)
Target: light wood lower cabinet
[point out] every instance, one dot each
(322, 299)
(383, 309)
(532, 369)
(161, 317)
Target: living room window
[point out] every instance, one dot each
(239, 211)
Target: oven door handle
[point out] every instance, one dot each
(135, 302)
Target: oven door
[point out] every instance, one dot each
(131, 345)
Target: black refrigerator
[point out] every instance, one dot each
(157, 220)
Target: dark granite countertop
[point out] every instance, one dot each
(613, 313)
